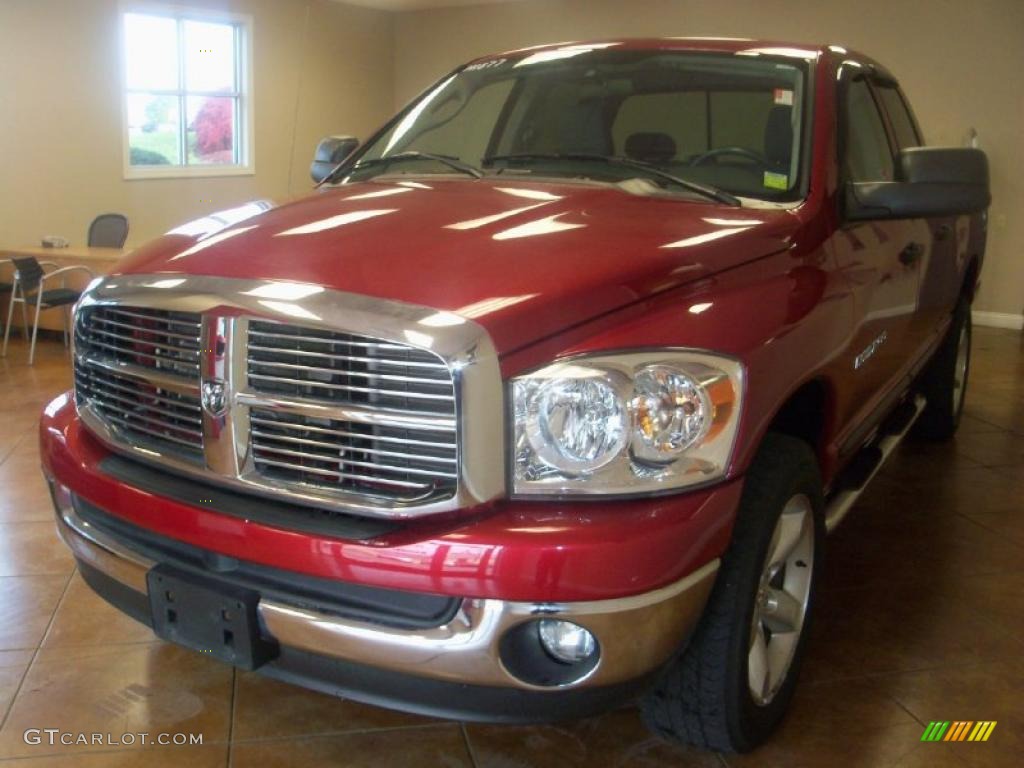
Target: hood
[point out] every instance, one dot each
(525, 259)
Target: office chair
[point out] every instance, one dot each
(108, 230)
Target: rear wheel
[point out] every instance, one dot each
(944, 381)
(732, 684)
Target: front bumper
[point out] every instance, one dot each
(523, 567)
(419, 669)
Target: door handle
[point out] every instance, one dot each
(911, 253)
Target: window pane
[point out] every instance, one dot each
(467, 137)
(681, 115)
(211, 130)
(153, 126)
(209, 56)
(868, 156)
(151, 52)
(740, 118)
(902, 124)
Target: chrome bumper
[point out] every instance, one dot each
(636, 634)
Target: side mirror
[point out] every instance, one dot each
(330, 152)
(934, 182)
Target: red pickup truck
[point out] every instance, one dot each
(545, 399)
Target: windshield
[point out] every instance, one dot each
(726, 122)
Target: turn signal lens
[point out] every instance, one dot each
(671, 412)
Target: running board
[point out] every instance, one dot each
(869, 460)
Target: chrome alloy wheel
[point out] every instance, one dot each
(782, 598)
(963, 354)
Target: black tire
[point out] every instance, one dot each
(939, 381)
(704, 698)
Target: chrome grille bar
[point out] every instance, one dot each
(313, 369)
(375, 451)
(353, 358)
(313, 384)
(114, 338)
(148, 315)
(257, 420)
(302, 469)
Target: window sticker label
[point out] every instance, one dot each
(782, 96)
(776, 180)
(485, 65)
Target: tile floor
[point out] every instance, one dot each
(920, 619)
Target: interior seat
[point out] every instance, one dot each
(651, 147)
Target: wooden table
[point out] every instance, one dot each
(100, 260)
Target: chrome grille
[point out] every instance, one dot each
(343, 368)
(127, 362)
(150, 338)
(407, 462)
(399, 463)
(205, 377)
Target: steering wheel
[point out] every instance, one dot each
(714, 154)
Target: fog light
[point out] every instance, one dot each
(566, 642)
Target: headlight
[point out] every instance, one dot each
(625, 424)
(577, 425)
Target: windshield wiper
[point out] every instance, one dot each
(451, 162)
(704, 190)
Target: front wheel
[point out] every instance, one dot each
(732, 684)
(944, 381)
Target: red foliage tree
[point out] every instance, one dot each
(213, 127)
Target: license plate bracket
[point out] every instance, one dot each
(208, 616)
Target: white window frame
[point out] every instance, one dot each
(244, 129)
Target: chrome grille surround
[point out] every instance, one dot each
(402, 454)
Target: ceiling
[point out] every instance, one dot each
(415, 5)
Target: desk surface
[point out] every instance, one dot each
(82, 253)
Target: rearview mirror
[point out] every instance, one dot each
(934, 182)
(330, 152)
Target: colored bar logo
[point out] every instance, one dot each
(958, 730)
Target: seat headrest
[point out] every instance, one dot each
(778, 136)
(651, 147)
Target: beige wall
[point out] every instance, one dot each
(960, 62)
(319, 68)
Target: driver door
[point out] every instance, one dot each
(881, 262)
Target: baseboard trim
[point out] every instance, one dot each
(998, 320)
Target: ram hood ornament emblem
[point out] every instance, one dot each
(214, 397)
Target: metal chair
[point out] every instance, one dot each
(6, 287)
(108, 230)
(30, 279)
